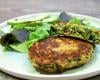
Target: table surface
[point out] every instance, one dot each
(13, 8)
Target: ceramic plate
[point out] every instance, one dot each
(17, 64)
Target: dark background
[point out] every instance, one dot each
(13, 8)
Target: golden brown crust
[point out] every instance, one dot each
(59, 50)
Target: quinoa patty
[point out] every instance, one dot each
(57, 54)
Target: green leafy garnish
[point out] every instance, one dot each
(22, 47)
(36, 33)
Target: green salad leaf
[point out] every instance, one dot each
(75, 20)
(38, 33)
(23, 47)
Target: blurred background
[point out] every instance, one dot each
(13, 8)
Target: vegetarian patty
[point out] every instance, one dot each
(57, 54)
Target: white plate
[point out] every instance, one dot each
(17, 64)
